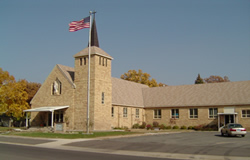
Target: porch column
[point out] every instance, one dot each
(218, 122)
(26, 120)
(52, 119)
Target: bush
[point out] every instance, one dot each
(204, 127)
(162, 126)
(175, 127)
(149, 126)
(143, 125)
(190, 127)
(136, 126)
(168, 127)
(155, 124)
(199, 127)
(183, 127)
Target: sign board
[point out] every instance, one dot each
(59, 126)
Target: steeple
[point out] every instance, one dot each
(94, 37)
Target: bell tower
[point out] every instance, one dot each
(100, 86)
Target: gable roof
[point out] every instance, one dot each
(68, 72)
(93, 50)
(127, 93)
(212, 94)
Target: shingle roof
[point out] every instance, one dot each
(93, 50)
(228, 93)
(68, 72)
(127, 93)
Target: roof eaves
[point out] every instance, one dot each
(104, 55)
(126, 105)
(199, 105)
(73, 85)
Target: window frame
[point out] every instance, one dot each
(157, 114)
(213, 115)
(125, 112)
(137, 113)
(175, 115)
(59, 116)
(193, 115)
(246, 114)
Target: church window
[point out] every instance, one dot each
(137, 113)
(103, 61)
(102, 97)
(157, 113)
(193, 113)
(213, 112)
(56, 87)
(58, 116)
(125, 112)
(174, 113)
(245, 113)
(112, 111)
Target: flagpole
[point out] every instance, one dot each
(88, 101)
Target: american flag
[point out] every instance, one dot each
(78, 25)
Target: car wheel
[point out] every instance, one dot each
(242, 135)
(222, 134)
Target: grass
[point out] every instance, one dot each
(4, 129)
(64, 135)
(10, 131)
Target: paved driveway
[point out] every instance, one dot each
(197, 143)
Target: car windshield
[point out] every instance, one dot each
(235, 126)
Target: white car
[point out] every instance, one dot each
(233, 129)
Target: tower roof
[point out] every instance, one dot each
(94, 48)
(93, 51)
(94, 37)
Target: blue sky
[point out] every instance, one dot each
(172, 40)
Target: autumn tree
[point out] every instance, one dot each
(199, 80)
(162, 84)
(216, 79)
(13, 97)
(31, 89)
(140, 77)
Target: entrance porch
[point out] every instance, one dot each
(53, 114)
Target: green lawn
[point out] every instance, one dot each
(4, 129)
(67, 135)
(11, 131)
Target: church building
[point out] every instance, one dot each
(61, 102)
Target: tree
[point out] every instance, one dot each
(13, 96)
(140, 77)
(216, 79)
(199, 80)
(162, 84)
(31, 89)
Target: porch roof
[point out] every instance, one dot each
(46, 109)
